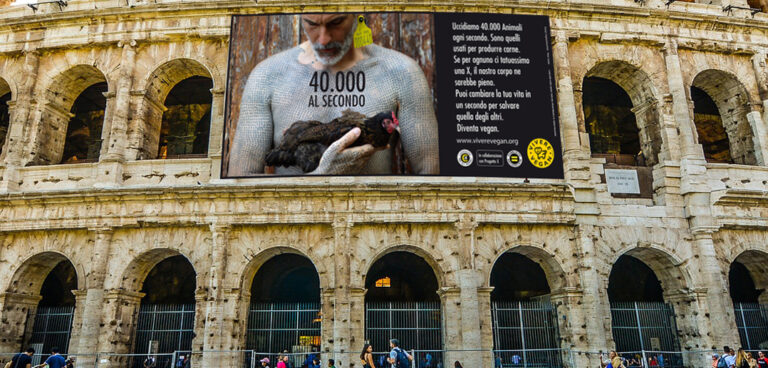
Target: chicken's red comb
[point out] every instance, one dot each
(394, 118)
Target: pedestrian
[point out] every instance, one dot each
(180, 363)
(281, 361)
(516, 359)
(21, 360)
(726, 360)
(457, 365)
(614, 360)
(309, 362)
(741, 359)
(398, 357)
(315, 363)
(660, 359)
(752, 361)
(652, 362)
(54, 361)
(762, 360)
(366, 356)
(498, 361)
(265, 362)
(331, 363)
(287, 360)
(715, 360)
(70, 363)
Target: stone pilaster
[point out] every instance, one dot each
(594, 299)
(120, 311)
(345, 342)
(18, 131)
(469, 279)
(760, 126)
(680, 106)
(16, 311)
(116, 129)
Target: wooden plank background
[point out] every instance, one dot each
(256, 37)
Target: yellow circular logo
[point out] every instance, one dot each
(541, 153)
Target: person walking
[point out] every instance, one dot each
(54, 361)
(281, 361)
(398, 357)
(150, 362)
(457, 365)
(331, 363)
(366, 356)
(21, 360)
(265, 362)
(715, 360)
(741, 359)
(762, 360)
(752, 361)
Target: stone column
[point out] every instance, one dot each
(450, 298)
(120, 311)
(16, 310)
(566, 102)
(17, 141)
(469, 279)
(87, 320)
(116, 130)
(343, 338)
(216, 132)
(221, 307)
(680, 106)
(760, 126)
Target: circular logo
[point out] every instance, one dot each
(514, 158)
(541, 153)
(465, 157)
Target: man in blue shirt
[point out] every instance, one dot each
(22, 360)
(54, 361)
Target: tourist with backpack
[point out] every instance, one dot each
(22, 360)
(398, 357)
(726, 361)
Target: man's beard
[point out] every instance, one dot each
(343, 48)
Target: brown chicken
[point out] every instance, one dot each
(304, 142)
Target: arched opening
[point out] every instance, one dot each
(610, 122)
(5, 117)
(73, 118)
(83, 142)
(747, 281)
(401, 302)
(721, 104)
(177, 111)
(166, 318)
(39, 305)
(641, 320)
(187, 120)
(285, 308)
(525, 330)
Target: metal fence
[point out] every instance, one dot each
(278, 327)
(526, 333)
(52, 328)
(646, 326)
(418, 326)
(162, 329)
(752, 322)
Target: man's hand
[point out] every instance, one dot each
(339, 160)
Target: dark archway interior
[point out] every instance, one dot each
(187, 122)
(517, 277)
(709, 126)
(83, 141)
(411, 279)
(58, 285)
(5, 118)
(172, 281)
(609, 119)
(288, 278)
(742, 287)
(631, 280)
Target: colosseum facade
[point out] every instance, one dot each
(104, 234)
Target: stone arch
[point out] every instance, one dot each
(6, 95)
(137, 270)
(60, 96)
(756, 263)
(733, 104)
(548, 262)
(409, 248)
(638, 85)
(250, 270)
(158, 85)
(29, 277)
(670, 270)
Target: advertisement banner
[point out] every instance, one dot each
(454, 94)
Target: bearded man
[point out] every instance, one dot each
(284, 89)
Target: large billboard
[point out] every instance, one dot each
(456, 94)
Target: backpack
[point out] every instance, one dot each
(402, 359)
(721, 363)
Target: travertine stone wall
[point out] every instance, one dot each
(116, 219)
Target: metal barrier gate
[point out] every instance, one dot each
(526, 333)
(52, 328)
(752, 322)
(640, 327)
(276, 327)
(418, 326)
(169, 327)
